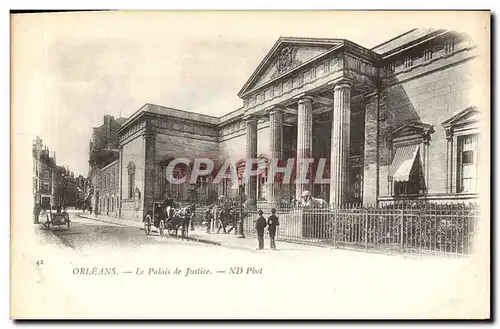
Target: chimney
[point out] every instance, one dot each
(53, 156)
(107, 124)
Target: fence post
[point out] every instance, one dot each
(335, 228)
(366, 228)
(402, 230)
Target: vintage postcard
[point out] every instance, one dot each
(250, 165)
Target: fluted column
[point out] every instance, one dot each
(251, 153)
(304, 142)
(340, 144)
(276, 151)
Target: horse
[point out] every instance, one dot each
(310, 201)
(180, 219)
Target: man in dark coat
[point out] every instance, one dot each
(193, 209)
(260, 225)
(208, 218)
(272, 223)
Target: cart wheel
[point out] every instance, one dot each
(162, 228)
(147, 224)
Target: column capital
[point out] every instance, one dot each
(250, 118)
(342, 85)
(305, 99)
(275, 110)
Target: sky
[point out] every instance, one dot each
(69, 69)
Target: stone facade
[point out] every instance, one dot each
(109, 200)
(393, 122)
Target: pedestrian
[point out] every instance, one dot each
(260, 225)
(193, 209)
(208, 218)
(221, 220)
(272, 223)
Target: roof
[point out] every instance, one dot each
(168, 111)
(405, 39)
(231, 115)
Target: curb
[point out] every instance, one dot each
(215, 243)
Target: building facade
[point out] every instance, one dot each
(393, 122)
(52, 184)
(108, 187)
(103, 150)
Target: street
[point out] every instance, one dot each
(96, 264)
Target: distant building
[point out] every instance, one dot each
(52, 184)
(103, 150)
(109, 178)
(46, 189)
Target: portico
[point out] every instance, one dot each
(311, 87)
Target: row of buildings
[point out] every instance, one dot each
(395, 122)
(54, 185)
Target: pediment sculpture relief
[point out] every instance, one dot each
(286, 60)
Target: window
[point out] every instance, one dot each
(462, 134)
(468, 163)
(409, 168)
(407, 172)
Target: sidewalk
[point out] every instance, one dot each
(112, 220)
(248, 243)
(200, 235)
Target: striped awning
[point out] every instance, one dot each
(403, 162)
(240, 168)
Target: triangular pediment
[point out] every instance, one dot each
(285, 56)
(465, 117)
(413, 129)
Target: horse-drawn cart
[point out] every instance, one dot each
(156, 219)
(57, 219)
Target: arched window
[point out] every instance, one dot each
(131, 179)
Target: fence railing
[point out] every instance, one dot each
(427, 228)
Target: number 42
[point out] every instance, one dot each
(39, 263)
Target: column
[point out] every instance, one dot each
(371, 151)
(251, 153)
(304, 141)
(340, 144)
(276, 151)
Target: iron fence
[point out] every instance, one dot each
(415, 228)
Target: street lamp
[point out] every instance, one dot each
(241, 234)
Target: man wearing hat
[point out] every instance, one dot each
(260, 225)
(272, 223)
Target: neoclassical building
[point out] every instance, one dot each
(395, 121)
